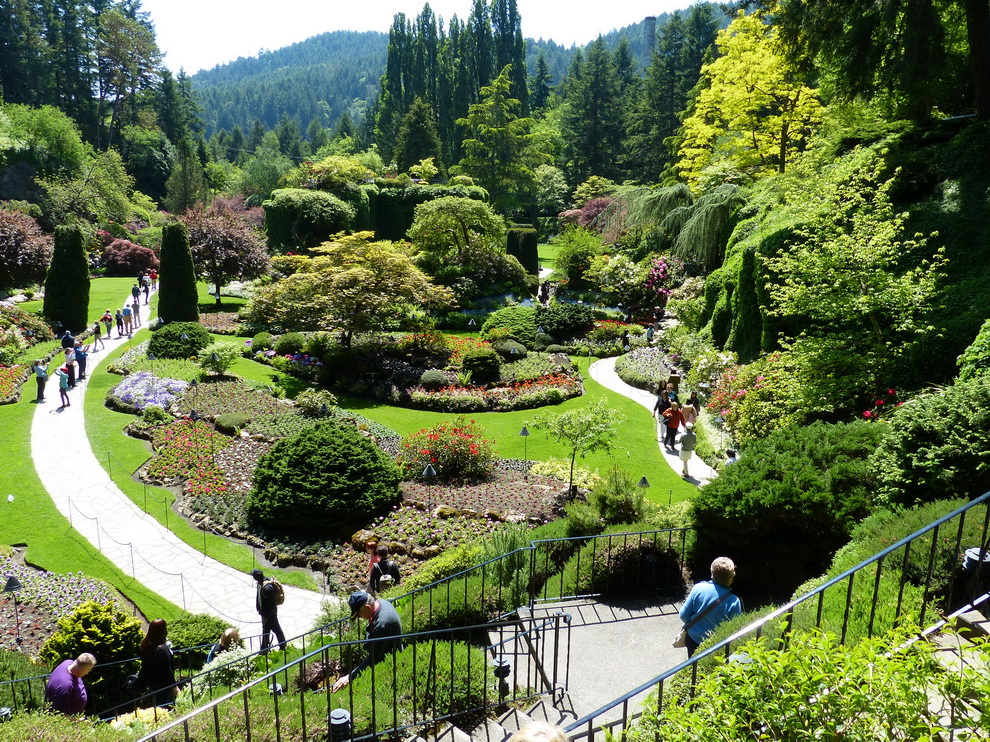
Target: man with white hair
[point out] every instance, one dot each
(710, 603)
(66, 691)
(688, 442)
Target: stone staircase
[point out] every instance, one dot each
(956, 652)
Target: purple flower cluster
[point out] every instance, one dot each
(144, 388)
(53, 593)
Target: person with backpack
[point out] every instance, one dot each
(384, 572)
(270, 595)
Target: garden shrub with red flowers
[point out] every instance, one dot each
(454, 449)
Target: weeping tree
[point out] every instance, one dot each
(703, 235)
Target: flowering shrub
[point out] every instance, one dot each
(144, 388)
(220, 323)
(664, 274)
(453, 448)
(882, 406)
(516, 395)
(184, 452)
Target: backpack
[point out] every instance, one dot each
(278, 590)
(390, 574)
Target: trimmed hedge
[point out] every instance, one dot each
(393, 206)
(167, 342)
(522, 242)
(301, 218)
(178, 296)
(483, 364)
(67, 283)
(565, 321)
(519, 321)
(325, 479)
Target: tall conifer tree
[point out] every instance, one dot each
(178, 299)
(67, 282)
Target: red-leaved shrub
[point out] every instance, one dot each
(125, 258)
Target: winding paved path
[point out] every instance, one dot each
(133, 540)
(603, 371)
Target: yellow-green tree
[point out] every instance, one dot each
(752, 111)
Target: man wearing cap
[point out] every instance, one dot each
(383, 622)
(266, 603)
(66, 691)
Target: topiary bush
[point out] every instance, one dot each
(483, 365)
(290, 344)
(108, 634)
(783, 509)
(327, 478)
(558, 349)
(262, 341)
(938, 447)
(167, 342)
(519, 321)
(231, 423)
(67, 282)
(178, 296)
(194, 630)
(302, 218)
(433, 379)
(510, 350)
(564, 321)
(522, 242)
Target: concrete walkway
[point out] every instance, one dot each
(603, 371)
(135, 542)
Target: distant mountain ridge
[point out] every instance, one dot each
(338, 71)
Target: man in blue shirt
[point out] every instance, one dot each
(383, 623)
(710, 603)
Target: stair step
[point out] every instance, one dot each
(514, 719)
(450, 733)
(490, 731)
(953, 652)
(543, 710)
(973, 625)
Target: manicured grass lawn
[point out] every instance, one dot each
(104, 429)
(547, 254)
(103, 293)
(635, 448)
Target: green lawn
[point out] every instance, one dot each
(547, 254)
(635, 448)
(104, 293)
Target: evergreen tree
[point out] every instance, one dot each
(345, 127)
(256, 136)
(510, 48)
(500, 152)
(418, 138)
(67, 282)
(186, 186)
(178, 299)
(290, 140)
(593, 117)
(540, 86)
(236, 146)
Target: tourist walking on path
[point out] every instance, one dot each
(128, 321)
(662, 405)
(41, 376)
(135, 292)
(70, 366)
(68, 340)
(66, 691)
(157, 673)
(107, 320)
(119, 319)
(688, 442)
(383, 624)
(672, 420)
(136, 312)
(97, 336)
(63, 385)
(266, 601)
(710, 603)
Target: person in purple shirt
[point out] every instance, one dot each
(66, 691)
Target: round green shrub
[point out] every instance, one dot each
(938, 447)
(565, 321)
(542, 341)
(194, 630)
(230, 423)
(483, 364)
(558, 349)
(975, 360)
(433, 379)
(327, 478)
(262, 341)
(320, 344)
(290, 343)
(167, 341)
(519, 321)
(302, 218)
(510, 350)
(311, 401)
(107, 633)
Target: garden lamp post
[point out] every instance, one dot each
(644, 482)
(428, 473)
(152, 357)
(58, 327)
(13, 587)
(501, 669)
(324, 410)
(525, 436)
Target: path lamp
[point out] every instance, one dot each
(13, 587)
(501, 669)
(324, 410)
(340, 725)
(428, 474)
(152, 357)
(525, 436)
(58, 327)
(644, 482)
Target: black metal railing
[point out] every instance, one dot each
(916, 576)
(436, 676)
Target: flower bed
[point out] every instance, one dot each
(44, 599)
(12, 378)
(221, 323)
(520, 395)
(184, 451)
(215, 397)
(143, 388)
(644, 368)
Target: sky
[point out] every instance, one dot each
(200, 34)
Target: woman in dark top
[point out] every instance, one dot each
(157, 670)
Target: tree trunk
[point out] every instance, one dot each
(978, 31)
